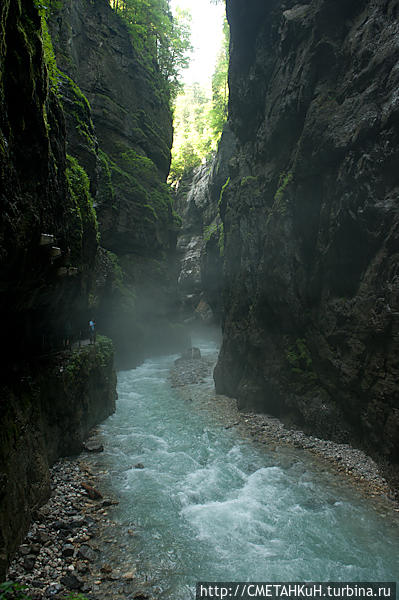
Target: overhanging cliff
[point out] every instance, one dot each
(311, 302)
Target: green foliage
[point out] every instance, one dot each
(220, 92)
(300, 359)
(104, 357)
(199, 117)
(12, 591)
(158, 36)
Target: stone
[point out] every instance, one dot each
(87, 553)
(29, 563)
(71, 582)
(91, 491)
(139, 466)
(93, 446)
(68, 550)
(129, 575)
(106, 568)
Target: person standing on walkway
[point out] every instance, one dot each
(92, 331)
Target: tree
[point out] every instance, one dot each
(199, 117)
(220, 93)
(159, 35)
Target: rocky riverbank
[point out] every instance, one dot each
(62, 555)
(265, 429)
(69, 547)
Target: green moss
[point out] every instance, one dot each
(138, 177)
(209, 231)
(300, 359)
(222, 191)
(83, 216)
(44, 9)
(221, 239)
(250, 179)
(105, 178)
(279, 201)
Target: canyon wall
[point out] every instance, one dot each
(200, 243)
(52, 391)
(119, 128)
(45, 414)
(310, 216)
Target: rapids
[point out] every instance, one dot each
(210, 505)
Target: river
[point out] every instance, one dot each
(211, 505)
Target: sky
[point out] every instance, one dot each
(206, 37)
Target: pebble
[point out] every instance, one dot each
(56, 557)
(270, 431)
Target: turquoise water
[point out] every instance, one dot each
(209, 505)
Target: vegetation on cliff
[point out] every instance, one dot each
(158, 36)
(199, 117)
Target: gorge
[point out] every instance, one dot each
(287, 236)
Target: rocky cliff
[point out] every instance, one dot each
(46, 414)
(119, 128)
(50, 394)
(47, 228)
(310, 214)
(200, 243)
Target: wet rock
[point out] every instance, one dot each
(82, 567)
(93, 446)
(129, 575)
(91, 491)
(106, 568)
(68, 550)
(62, 525)
(109, 502)
(205, 312)
(87, 553)
(53, 589)
(139, 466)
(71, 582)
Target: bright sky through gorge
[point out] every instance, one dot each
(206, 27)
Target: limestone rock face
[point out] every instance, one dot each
(132, 122)
(200, 243)
(46, 415)
(119, 127)
(311, 303)
(49, 396)
(36, 297)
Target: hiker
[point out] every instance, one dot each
(92, 331)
